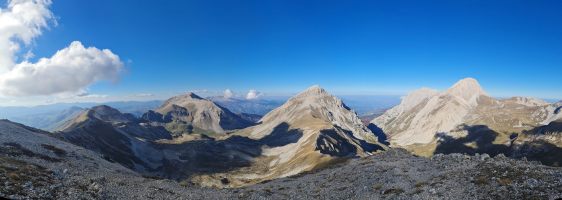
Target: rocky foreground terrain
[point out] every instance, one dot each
(37, 166)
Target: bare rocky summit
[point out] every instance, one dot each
(195, 114)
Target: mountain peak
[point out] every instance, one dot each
(107, 113)
(182, 99)
(104, 109)
(467, 83)
(314, 90)
(200, 112)
(467, 89)
(192, 95)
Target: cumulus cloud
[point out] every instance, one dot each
(20, 23)
(228, 94)
(70, 70)
(253, 94)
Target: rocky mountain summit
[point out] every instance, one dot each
(194, 113)
(464, 119)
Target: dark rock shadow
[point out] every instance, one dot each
(216, 156)
(331, 143)
(546, 153)
(381, 136)
(542, 151)
(281, 136)
(479, 139)
(103, 138)
(552, 127)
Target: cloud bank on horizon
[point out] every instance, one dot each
(253, 94)
(228, 94)
(69, 71)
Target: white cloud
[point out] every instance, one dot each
(70, 70)
(143, 95)
(228, 94)
(21, 22)
(253, 94)
(89, 96)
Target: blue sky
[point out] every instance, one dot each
(349, 47)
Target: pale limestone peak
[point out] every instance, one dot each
(312, 91)
(468, 89)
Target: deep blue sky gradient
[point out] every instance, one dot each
(513, 47)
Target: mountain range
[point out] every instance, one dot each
(465, 119)
(49, 117)
(190, 138)
(197, 144)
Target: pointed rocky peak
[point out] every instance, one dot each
(193, 95)
(182, 100)
(316, 104)
(314, 96)
(468, 89)
(101, 113)
(200, 112)
(313, 91)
